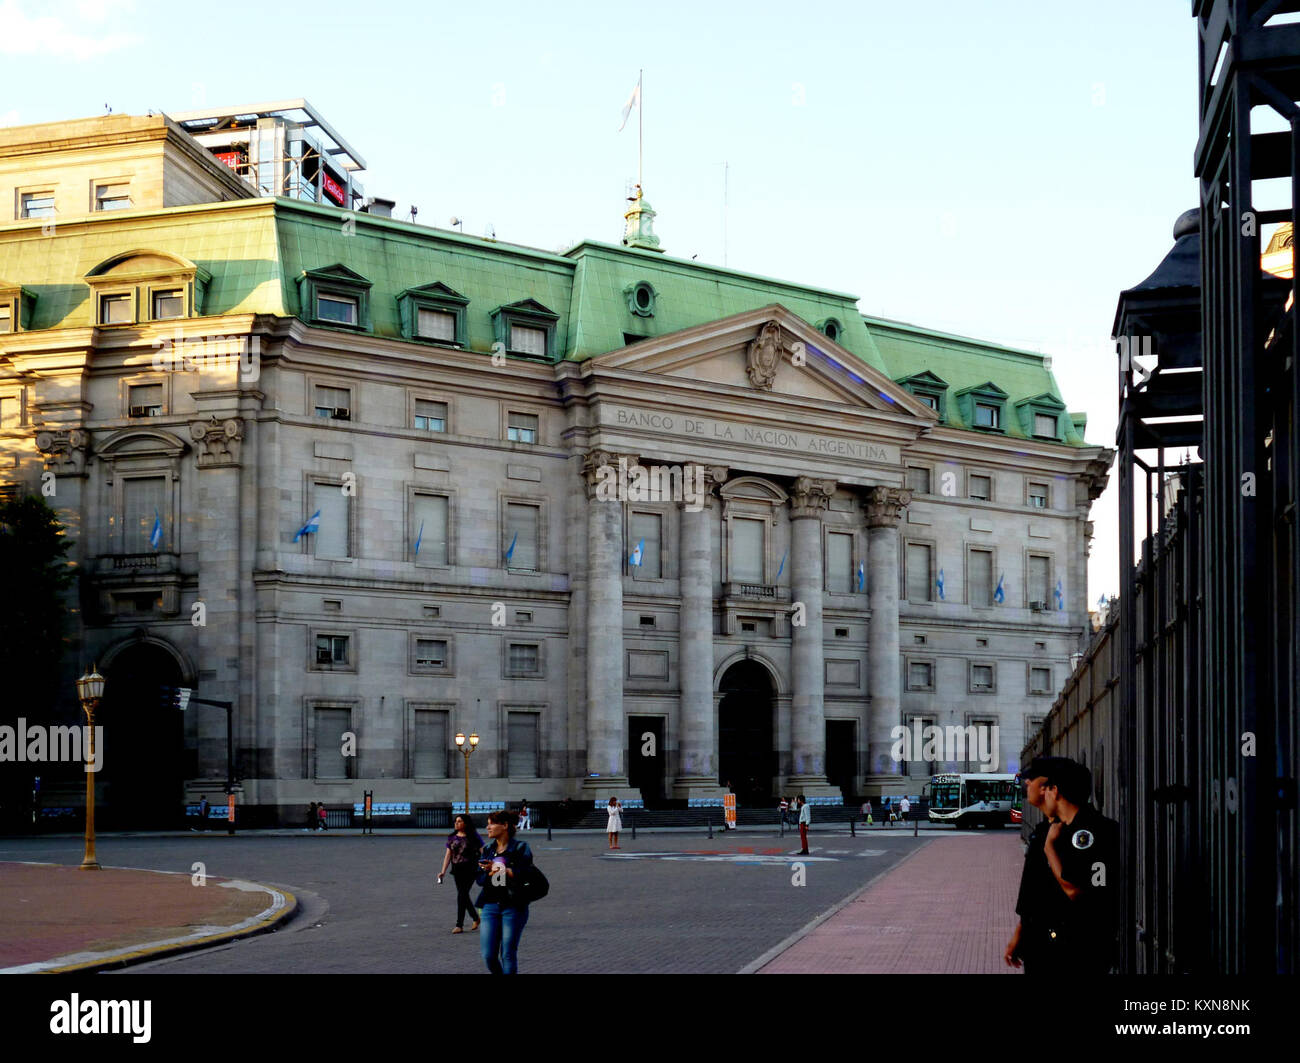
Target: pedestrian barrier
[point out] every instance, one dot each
(383, 808)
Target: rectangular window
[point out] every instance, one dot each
(332, 649)
(431, 653)
(918, 481)
(436, 325)
(334, 403)
(839, 563)
(145, 400)
(920, 675)
(1045, 425)
(334, 537)
(747, 550)
(6, 317)
(523, 658)
(981, 678)
(113, 197)
(521, 427)
(142, 499)
(116, 309)
(981, 487)
(331, 725)
(930, 400)
(522, 523)
(1039, 568)
(167, 304)
(979, 577)
(1038, 495)
(1040, 680)
(10, 413)
(920, 583)
(527, 340)
(340, 309)
(645, 528)
(431, 744)
(430, 416)
(37, 205)
(521, 745)
(429, 529)
(987, 416)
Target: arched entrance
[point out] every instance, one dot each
(144, 742)
(746, 751)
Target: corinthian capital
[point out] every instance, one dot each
(810, 497)
(884, 505)
(603, 467)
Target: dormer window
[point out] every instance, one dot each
(16, 305)
(1044, 426)
(928, 388)
(831, 329)
(1040, 416)
(143, 286)
(526, 328)
(335, 296)
(641, 299)
(433, 313)
(983, 406)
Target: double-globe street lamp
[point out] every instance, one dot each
(90, 689)
(466, 748)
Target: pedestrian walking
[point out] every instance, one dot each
(904, 807)
(866, 813)
(615, 824)
(311, 817)
(1070, 880)
(504, 867)
(805, 821)
(464, 845)
(886, 812)
(525, 817)
(203, 813)
(320, 817)
(784, 808)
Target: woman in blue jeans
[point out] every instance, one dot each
(502, 907)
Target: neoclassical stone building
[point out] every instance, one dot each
(345, 472)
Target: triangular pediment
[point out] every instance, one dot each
(767, 351)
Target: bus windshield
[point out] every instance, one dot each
(944, 795)
(989, 790)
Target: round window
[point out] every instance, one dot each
(832, 329)
(643, 297)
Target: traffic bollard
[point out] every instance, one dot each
(916, 823)
(631, 814)
(709, 821)
(548, 826)
(853, 831)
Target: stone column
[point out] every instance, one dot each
(606, 745)
(809, 499)
(884, 506)
(697, 774)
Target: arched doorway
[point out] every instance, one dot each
(144, 742)
(746, 753)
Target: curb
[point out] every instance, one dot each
(754, 966)
(283, 906)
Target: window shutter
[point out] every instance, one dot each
(522, 521)
(330, 761)
(334, 537)
(430, 511)
(979, 577)
(646, 526)
(839, 563)
(919, 582)
(143, 498)
(430, 744)
(1038, 579)
(521, 745)
(747, 550)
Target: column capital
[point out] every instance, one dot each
(711, 477)
(884, 505)
(65, 450)
(216, 443)
(600, 467)
(810, 496)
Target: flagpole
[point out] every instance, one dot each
(640, 130)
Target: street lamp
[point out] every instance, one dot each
(465, 751)
(90, 689)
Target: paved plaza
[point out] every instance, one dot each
(671, 902)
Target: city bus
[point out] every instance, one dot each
(968, 800)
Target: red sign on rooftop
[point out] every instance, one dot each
(332, 188)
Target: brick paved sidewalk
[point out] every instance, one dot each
(948, 908)
(56, 916)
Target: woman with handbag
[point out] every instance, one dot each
(462, 852)
(615, 824)
(504, 867)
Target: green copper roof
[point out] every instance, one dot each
(257, 250)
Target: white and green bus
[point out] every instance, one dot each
(969, 800)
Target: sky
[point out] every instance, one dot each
(998, 169)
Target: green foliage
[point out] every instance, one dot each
(34, 564)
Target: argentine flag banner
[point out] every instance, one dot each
(311, 527)
(510, 550)
(635, 557)
(939, 584)
(999, 595)
(155, 533)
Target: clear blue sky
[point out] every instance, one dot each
(998, 169)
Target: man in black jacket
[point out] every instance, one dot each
(1070, 879)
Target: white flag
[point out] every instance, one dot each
(632, 101)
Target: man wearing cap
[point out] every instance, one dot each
(1070, 879)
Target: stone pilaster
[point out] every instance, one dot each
(808, 501)
(606, 727)
(884, 506)
(697, 774)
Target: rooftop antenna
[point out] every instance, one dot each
(414, 211)
(458, 223)
(726, 172)
(490, 233)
